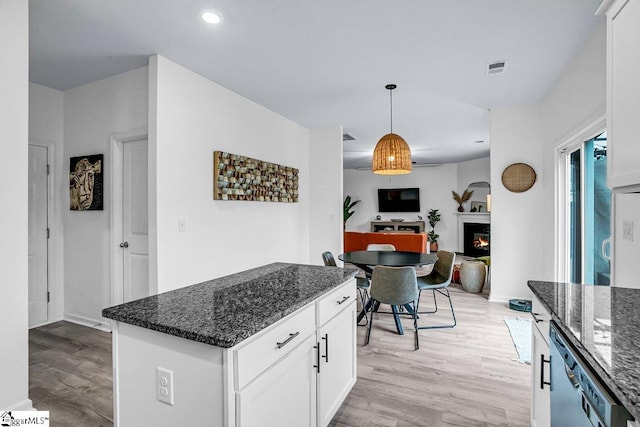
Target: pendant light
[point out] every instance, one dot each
(392, 155)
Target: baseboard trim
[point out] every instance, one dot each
(23, 405)
(86, 321)
(504, 299)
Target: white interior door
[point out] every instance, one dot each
(38, 235)
(135, 218)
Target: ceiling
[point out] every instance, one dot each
(325, 63)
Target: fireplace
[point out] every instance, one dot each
(477, 239)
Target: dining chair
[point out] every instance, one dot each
(438, 281)
(380, 247)
(362, 282)
(395, 286)
(329, 260)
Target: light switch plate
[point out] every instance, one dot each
(627, 230)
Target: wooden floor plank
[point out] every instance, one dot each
(465, 376)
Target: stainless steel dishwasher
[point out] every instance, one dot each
(577, 396)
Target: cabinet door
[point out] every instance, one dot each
(284, 395)
(623, 93)
(540, 392)
(338, 362)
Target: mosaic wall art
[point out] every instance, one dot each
(238, 177)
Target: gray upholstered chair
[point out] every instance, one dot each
(380, 247)
(328, 259)
(362, 283)
(395, 286)
(438, 281)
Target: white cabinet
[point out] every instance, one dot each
(540, 366)
(298, 372)
(623, 92)
(295, 372)
(284, 395)
(338, 362)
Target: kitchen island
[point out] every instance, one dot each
(270, 346)
(603, 325)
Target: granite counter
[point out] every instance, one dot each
(225, 311)
(603, 324)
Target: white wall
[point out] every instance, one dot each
(195, 117)
(577, 99)
(14, 74)
(471, 171)
(435, 185)
(46, 128)
(92, 113)
(531, 135)
(325, 208)
(478, 170)
(517, 233)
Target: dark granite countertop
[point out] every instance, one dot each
(225, 311)
(603, 324)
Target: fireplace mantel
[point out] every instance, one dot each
(473, 217)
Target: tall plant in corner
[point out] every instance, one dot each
(433, 217)
(348, 205)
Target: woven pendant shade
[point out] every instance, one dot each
(391, 156)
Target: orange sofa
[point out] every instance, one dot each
(409, 242)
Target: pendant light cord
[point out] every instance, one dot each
(391, 108)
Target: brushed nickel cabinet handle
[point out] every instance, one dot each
(287, 341)
(326, 348)
(343, 300)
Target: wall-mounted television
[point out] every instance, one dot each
(398, 199)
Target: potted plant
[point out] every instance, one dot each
(348, 205)
(460, 199)
(433, 217)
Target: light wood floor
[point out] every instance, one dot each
(70, 374)
(465, 376)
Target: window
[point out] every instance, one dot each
(585, 210)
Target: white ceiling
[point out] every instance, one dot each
(324, 63)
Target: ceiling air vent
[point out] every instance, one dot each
(348, 137)
(496, 67)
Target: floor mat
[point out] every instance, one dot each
(520, 330)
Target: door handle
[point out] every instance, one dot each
(124, 244)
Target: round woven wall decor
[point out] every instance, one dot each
(518, 177)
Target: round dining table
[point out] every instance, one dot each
(367, 260)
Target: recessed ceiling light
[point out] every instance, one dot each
(211, 17)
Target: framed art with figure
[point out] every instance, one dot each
(85, 183)
(478, 206)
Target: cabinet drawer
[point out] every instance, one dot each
(336, 301)
(541, 318)
(272, 344)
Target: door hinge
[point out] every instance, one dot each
(48, 296)
(48, 169)
(48, 233)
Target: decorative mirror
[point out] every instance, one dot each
(481, 199)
